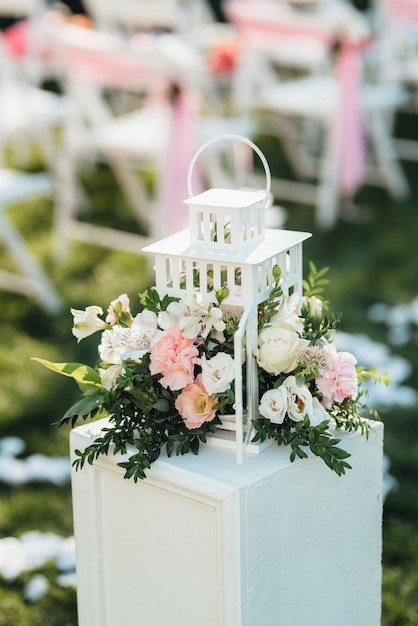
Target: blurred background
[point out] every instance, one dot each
(102, 107)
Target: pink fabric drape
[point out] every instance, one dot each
(349, 121)
(182, 147)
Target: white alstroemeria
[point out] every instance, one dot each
(287, 314)
(217, 373)
(139, 337)
(318, 413)
(273, 404)
(120, 343)
(171, 316)
(213, 320)
(193, 315)
(299, 399)
(112, 347)
(190, 326)
(109, 375)
(87, 322)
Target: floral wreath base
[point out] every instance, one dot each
(165, 378)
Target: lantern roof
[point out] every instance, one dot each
(227, 198)
(274, 242)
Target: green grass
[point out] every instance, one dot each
(374, 261)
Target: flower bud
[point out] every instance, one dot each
(222, 293)
(314, 306)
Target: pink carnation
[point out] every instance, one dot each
(195, 405)
(338, 380)
(174, 356)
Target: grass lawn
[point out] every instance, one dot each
(375, 261)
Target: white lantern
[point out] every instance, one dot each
(227, 244)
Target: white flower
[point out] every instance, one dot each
(273, 404)
(287, 314)
(214, 320)
(193, 315)
(142, 333)
(87, 322)
(314, 305)
(171, 316)
(217, 373)
(109, 376)
(299, 399)
(120, 343)
(278, 348)
(112, 347)
(190, 326)
(318, 413)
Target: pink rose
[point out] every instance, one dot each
(174, 356)
(338, 380)
(195, 405)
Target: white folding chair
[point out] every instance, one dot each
(396, 24)
(129, 143)
(30, 118)
(301, 109)
(24, 40)
(16, 188)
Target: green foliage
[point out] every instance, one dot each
(302, 435)
(315, 283)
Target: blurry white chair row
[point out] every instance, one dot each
(397, 21)
(172, 103)
(335, 127)
(158, 134)
(29, 116)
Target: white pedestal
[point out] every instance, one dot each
(203, 542)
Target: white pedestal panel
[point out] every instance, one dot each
(204, 542)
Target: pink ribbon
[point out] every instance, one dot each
(182, 147)
(263, 24)
(91, 61)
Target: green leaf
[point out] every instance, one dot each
(162, 405)
(84, 406)
(85, 376)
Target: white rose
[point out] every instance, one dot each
(87, 322)
(299, 400)
(273, 404)
(278, 349)
(287, 314)
(318, 413)
(217, 373)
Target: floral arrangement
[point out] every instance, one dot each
(165, 376)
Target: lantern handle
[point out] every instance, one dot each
(237, 138)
